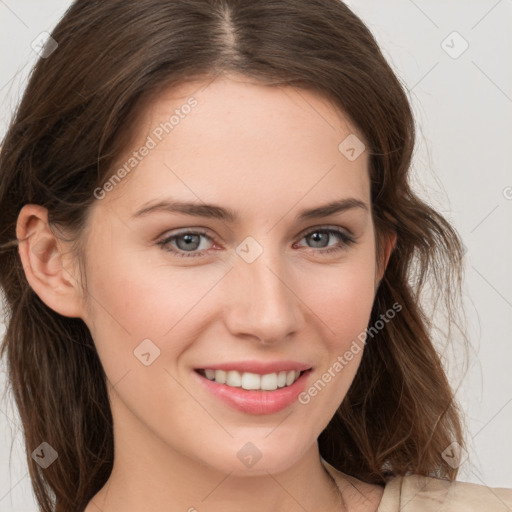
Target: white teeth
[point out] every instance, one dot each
(290, 377)
(269, 381)
(233, 379)
(220, 376)
(253, 381)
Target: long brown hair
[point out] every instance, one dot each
(72, 123)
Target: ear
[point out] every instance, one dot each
(42, 256)
(383, 259)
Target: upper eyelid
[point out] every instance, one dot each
(207, 231)
(326, 227)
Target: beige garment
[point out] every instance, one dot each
(416, 493)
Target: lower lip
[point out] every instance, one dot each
(255, 401)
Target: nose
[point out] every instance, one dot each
(262, 302)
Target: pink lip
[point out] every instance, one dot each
(258, 366)
(254, 401)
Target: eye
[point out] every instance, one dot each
(320, 237)
(186, 243)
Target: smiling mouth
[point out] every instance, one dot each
(252, 381)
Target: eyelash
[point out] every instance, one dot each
(346, 240)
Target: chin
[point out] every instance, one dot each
(243, 457)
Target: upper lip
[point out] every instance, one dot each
(258, 367)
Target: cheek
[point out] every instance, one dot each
(342, 298)
(343, 312)
(137, 298)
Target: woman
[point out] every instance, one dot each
(212, 261)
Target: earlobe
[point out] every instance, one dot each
(41, 254)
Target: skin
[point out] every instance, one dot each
(267, 153)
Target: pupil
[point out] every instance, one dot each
(189, 239)
(317, 236)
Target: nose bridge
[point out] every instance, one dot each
(263, 304)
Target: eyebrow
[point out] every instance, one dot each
(212, 211)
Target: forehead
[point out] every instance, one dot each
(236, 141)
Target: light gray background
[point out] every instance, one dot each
(463, 108)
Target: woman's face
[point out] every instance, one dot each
(202, 255)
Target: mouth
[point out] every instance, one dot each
(252, 381)
(254, 393)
